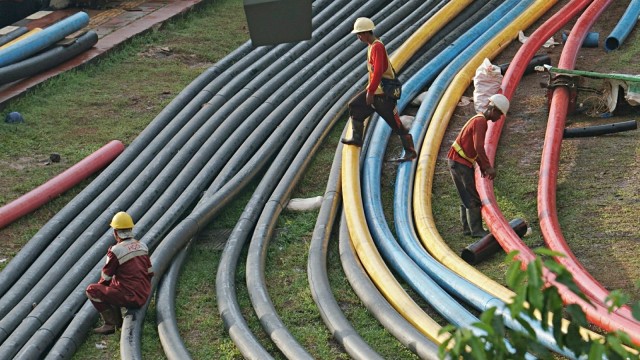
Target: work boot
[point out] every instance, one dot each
(474, 219)
(409, 150)
(112, 319)
(117, 316)
(357, 134)
(463, 219)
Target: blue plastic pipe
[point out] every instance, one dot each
(43, 39)
(624, 26)
(421, 282)
(382, 235)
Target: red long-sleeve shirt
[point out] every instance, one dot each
(378, 66)
(471, 140)
(128, 267)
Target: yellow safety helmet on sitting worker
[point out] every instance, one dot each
(363, 24)
(122, 221)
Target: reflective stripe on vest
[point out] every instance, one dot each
(458, 148)
(460, 152)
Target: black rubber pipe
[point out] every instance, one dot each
(538, 60)
(598, 130)
(89, 257)
(246, 120)
(488, 245)
(275, 147)
(17, 267)
(257, 250)
(145, 219)
(159, 130)
(330, 311)
(123, 354)
(172, 344)
(143, 186)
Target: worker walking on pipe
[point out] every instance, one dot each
(468, 149)
(373, 98)
(126, 277)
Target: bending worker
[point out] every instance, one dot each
(373, 98)
(126, 277)
(468, 149)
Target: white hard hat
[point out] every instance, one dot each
(363, 24)
(501, 102)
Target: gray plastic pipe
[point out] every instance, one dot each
(198, 104)
(257, 250)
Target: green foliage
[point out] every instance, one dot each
(534, 296)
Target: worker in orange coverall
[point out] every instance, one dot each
(126, 277)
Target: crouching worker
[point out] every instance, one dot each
(126, 277)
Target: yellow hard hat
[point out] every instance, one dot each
(122, 220)
(363, 24)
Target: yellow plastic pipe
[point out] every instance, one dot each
(425, 170)
(401, 56)
(368, 254)
(425, 223)
(352, 198)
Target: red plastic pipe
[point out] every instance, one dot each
(496, 221)
(59, 184)
(549, 166)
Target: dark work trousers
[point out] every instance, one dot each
(463, 177)
(383, 105)
(104, 296)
